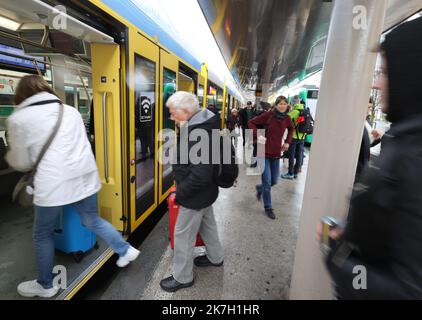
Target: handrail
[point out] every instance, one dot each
(105, 136)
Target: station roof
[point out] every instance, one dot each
(279, 42)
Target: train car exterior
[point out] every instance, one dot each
(132, 69)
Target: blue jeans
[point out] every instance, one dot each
(269, 178)
(296, 150)
(45, 221)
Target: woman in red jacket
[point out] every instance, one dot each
(275, 123)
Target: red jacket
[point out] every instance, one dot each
(274, 131)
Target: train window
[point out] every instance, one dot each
(7, 89)
(169, 87)
(145, 79)
(186, 83)
(84, 96)
(312, 94)
(211, 95)
(219, 104)
(70, 96)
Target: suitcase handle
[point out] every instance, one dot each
(59, 225)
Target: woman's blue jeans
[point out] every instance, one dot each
(45, 221)
(269, 178)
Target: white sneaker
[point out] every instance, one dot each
(32, 288)
(130, 255)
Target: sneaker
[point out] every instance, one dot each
(32, 289)
(287, 176)
(270, 213)
(130, 255)
(295, 176)
(258, 193)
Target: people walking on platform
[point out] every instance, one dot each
(370, 137)
(65, 174)
(265, 106)
(275, 123)
(245, 115)
(383, 234)
(233, 122)
(196, 191)
(296, 149)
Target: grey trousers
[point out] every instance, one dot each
(189, 223)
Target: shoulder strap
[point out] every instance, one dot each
(40, 103)
(52, 135)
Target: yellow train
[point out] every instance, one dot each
(115, 65)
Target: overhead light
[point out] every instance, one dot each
(9, 24)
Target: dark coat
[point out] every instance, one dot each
(275, 128)
(195, 183)
(364, 153)
(385, 219)
(243, 117)
(232, 122)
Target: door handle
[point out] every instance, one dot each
(105, 136)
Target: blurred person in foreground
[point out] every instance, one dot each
(383, 233)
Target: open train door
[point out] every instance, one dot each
(201, 90)
(169, 83)
(108, 134)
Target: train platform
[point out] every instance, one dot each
(259, 252)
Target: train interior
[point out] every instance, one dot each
(31, 45)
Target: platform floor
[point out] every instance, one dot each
(259, 252)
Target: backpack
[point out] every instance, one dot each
(305, 122)
(228, 169)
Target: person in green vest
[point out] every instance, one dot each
(297, 146)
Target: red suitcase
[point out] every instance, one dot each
(173, 212)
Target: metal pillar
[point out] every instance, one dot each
(58, 75)
(265, 91)
(342, 105)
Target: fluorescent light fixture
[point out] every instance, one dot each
(9, 24)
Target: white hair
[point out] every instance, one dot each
(184, 100)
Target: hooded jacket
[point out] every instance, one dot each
(384, 226)
(68, 171)
(195, 182)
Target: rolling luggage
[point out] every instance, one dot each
(173, 212)
(71, 237)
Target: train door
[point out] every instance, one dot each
(201, 90)
(108, 138)
(168, 81)
(143, 81)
